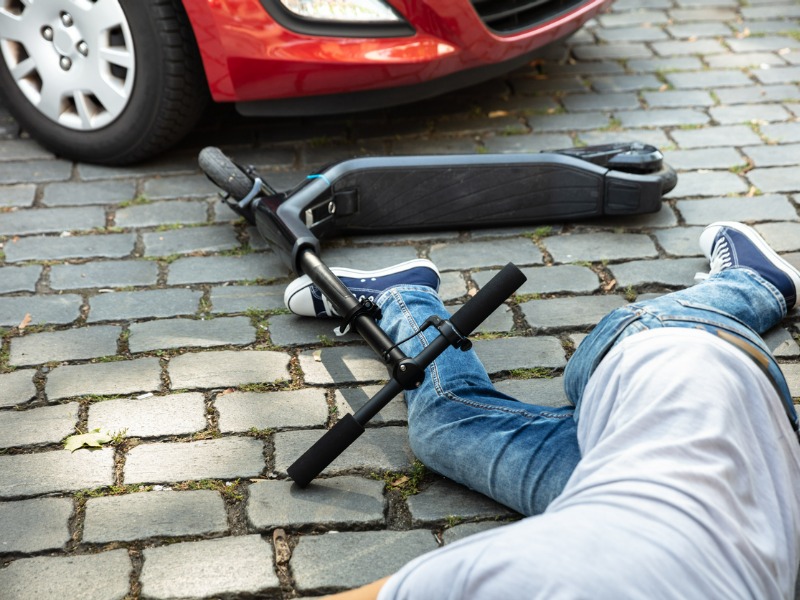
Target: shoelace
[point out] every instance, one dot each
(720, 259)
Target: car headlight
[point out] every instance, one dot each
(353, 11)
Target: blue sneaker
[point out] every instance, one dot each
(304, 298)
(728, 244)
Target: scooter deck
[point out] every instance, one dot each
(445, 192)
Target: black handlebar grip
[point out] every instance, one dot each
(325, 450)
(488, 298)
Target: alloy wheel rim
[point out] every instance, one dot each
(73, 60)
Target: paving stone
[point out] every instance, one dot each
(291, 330)
(17, 387)
(777, 75)
(599, 246)
(634, 16)
(501, 319)
(350, 400)
(166, 164)
(459, 532)
(792, 373)
(217, 269)
(345, 560)
(452, 286)
(631, 34)
(144, 515)
(17, 195)
(751, 59)
(664, 117)
(706, 13)
(723, 135)
(333, 502)
(347, 364)
(378, 449)
(781, 343)
(781, 132)
(705, 158)
(747, 113)
(774, 156)
(674, 272)
(581, 102)
(70, 344)
(214, 238)
(154, 214)
(781, 237)
(778, 179)
(611, 51)
(82, 193)
(103, 576)
(444, 499)
(662, 64)
(556, 83)
(118, 306)
(485, 254)
(762, 43)
(507, 354)
(191, 333)
(19, 279)
(674, 48)
(243, 411)
(571, 122)
(56, 310)
(34, 525)
(769, 207)
(376, 258)
(665, 217)
(35, 171)
(51, 220)
(150, 416)
(240, 298)
(209, 568)
(676, 98)
(22, 149)
(57, 471)
(708, 79)
(115, 245)
(222, 458)
(769, 10)
(752, 94)
(579, 312)
(536, 142)
(681, 241)
(539, 392)
(45, 425)
(181, 186)
(699, 30)
(225, 368)
(653, 137)
(708, 183)
(104, 379)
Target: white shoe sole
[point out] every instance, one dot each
(303, 282)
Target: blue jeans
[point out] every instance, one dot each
(522, 454)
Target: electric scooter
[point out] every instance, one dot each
(417, 193)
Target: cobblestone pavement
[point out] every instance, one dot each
(157, 316)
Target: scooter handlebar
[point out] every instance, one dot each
(488, 299)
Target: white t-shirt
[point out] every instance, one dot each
(689, 487)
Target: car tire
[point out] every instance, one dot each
(102, 112)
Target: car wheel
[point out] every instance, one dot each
(105, 81)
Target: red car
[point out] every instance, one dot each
(115, 81)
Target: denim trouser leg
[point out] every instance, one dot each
(462, 427)
(737, 302)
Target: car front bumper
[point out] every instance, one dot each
(253, 60)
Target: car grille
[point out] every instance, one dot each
(508, 16)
